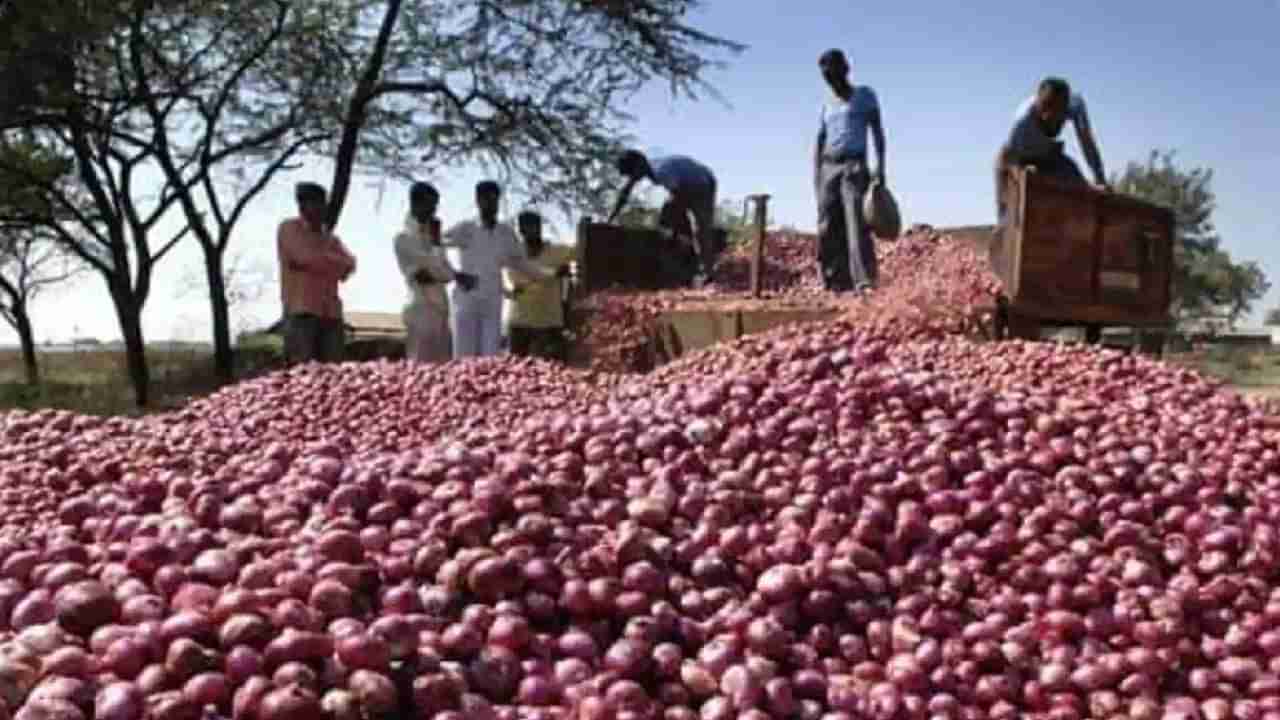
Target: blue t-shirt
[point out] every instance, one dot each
(845, 123)
(678, 172)
(1029, 141)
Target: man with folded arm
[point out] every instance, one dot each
(313, 261)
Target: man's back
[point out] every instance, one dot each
(675, 172)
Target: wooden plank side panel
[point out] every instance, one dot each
(614, 255)
(1057, 247)
(1080, 255)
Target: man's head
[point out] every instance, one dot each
(1051, 104)
(423, 201)
(835, 68)
(633, 164)
(312, 203)
(487, 195)
(530, 224)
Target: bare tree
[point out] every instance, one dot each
(31, 261)
(534, 91)
(246, 280)
(211, 97)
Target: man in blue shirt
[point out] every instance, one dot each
(692, 190)
(1033, 142)
(841, 177)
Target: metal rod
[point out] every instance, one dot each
(757, 256)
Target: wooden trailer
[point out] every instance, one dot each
(1072, 255)
(629, 257)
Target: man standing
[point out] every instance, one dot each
(483, 248)
(426, 272)
(312, 263)
(536, 311)
(692, 189)
(841, 177)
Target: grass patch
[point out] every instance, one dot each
(95, 381)
(1244, 367)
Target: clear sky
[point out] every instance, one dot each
(1199, 79)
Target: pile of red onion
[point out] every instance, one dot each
(931, 285)
(846, 520)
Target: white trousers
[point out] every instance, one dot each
(476, 322)
(428, 338)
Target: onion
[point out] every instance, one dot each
(288, 703)
(118, 701)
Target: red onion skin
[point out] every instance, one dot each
(119, 701)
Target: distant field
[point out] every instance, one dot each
(95, 381)
(1253, 371)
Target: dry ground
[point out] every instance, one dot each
(94, 381)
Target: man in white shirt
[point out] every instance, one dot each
(483, 247)
(426, 272)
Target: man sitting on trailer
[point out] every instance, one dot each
(1033, 145)
(1033, 142)
(692, 188)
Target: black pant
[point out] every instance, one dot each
(846, 250)
(308, 338)
(1058, 165)
(546, 343)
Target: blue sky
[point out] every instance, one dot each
(1194, 78)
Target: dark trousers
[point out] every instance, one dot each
(309, 338)
(1058, 165)
(846, 249)
(546, 343)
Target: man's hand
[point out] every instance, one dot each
(466, 281)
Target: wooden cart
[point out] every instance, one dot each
(1072, 255)
(630, 257)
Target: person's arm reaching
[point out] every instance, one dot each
(1089, 144)
(455, 237)
(623, 197)
(877, 138)
(818, 145)
(1005, 163)
(515, 259)
(418, 263)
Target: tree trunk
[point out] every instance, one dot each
(26, 336)
(129, 313)
(223, 352)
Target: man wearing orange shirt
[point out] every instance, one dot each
(312, 263)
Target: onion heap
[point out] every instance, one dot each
(931, 285)
(864, 518)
